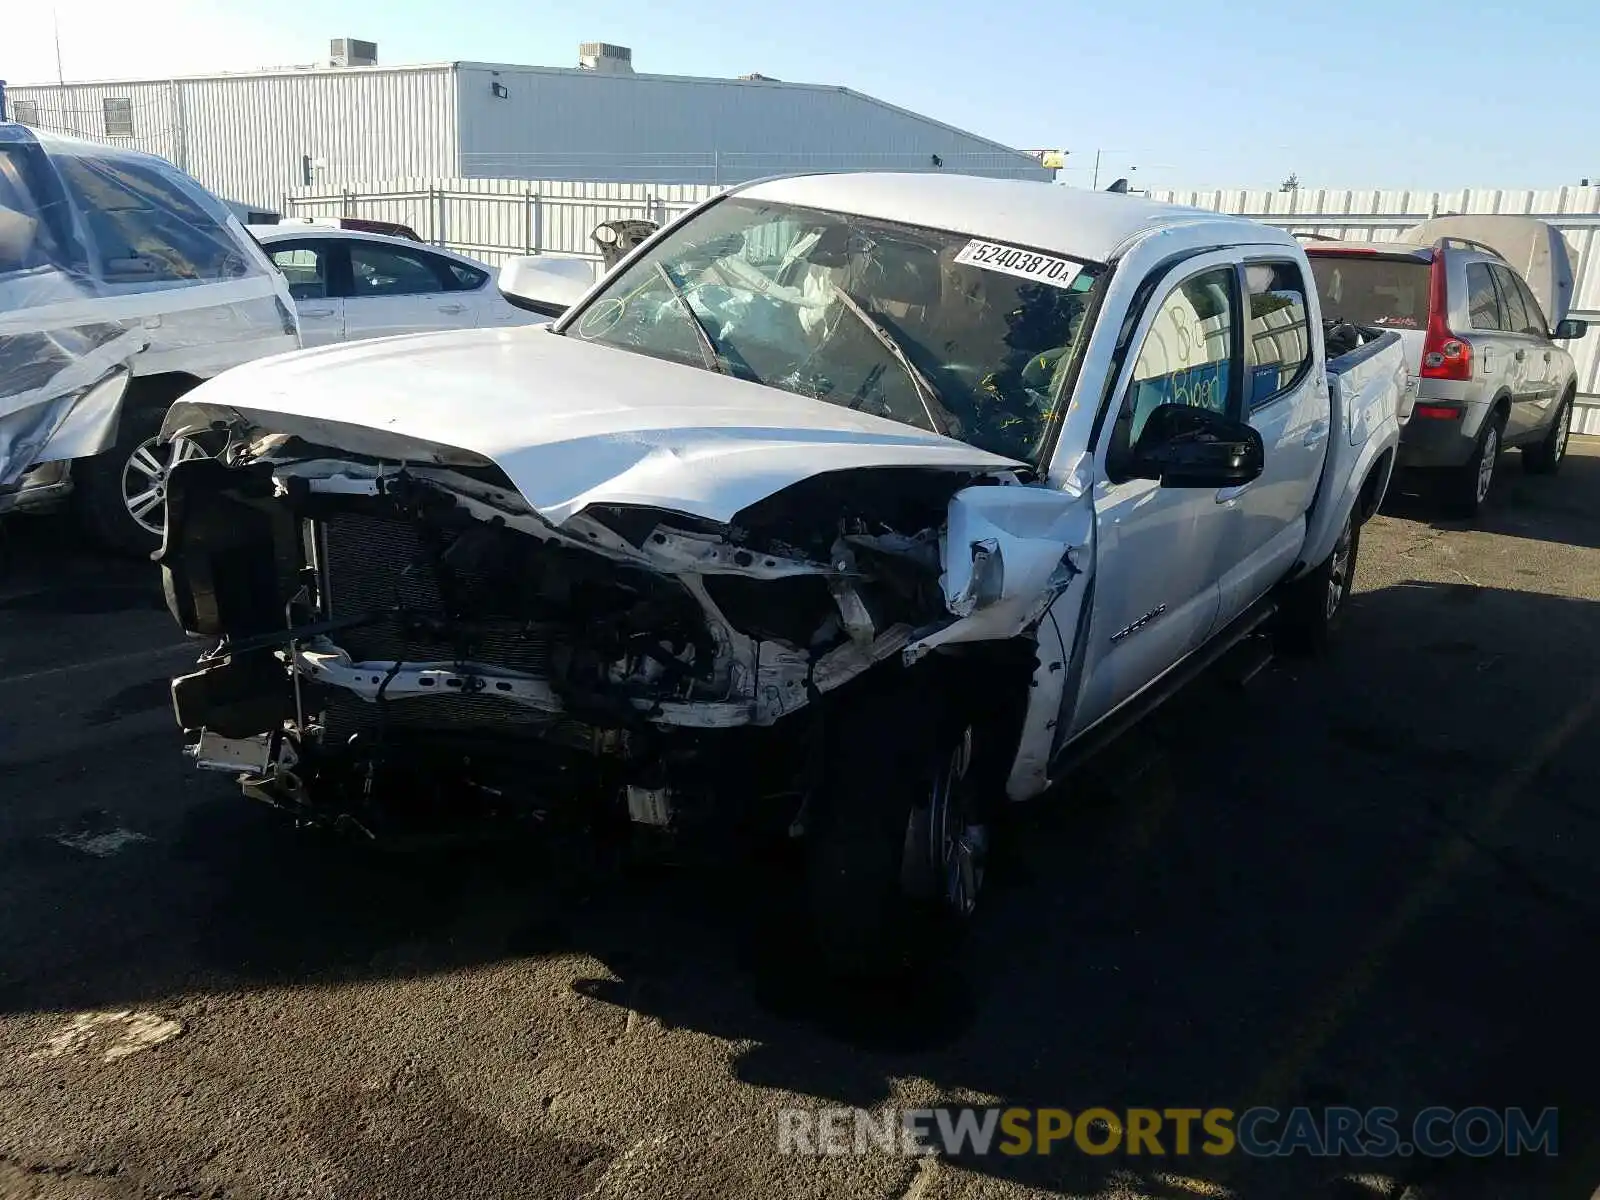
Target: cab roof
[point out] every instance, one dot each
(1082, 224)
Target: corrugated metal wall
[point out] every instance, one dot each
(79, 109)
(244, 136)
(1378, 215)
(247, 135)
(582, 125)
(493, 219)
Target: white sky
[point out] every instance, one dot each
(102, 40)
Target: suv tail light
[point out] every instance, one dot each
(1444, 355)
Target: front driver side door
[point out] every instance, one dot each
(1161, 551)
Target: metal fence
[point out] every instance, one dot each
(495, 219)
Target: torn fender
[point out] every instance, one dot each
(1009, 550)
(61, 393)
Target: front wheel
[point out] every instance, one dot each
(898, 847)
(1313, 604)
(122, 494)
(1544, 457)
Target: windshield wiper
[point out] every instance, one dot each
(926, 392)
(708, 348)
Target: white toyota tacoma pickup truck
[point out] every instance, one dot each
(862, 503)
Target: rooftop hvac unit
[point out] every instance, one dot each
(605, 58)
(352, 52)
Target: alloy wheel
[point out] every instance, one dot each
(954, 846)
(1486, 461)
(144, 479)
(1563, 431)
(1339, 569)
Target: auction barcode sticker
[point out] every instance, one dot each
(1027, 264)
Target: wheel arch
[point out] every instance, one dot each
(1375, 486)
(995, 683)
(149, 390)
(1501, 404)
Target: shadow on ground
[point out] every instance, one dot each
(1365, 881)
(1563, 509)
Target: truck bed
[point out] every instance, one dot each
(1365, 385)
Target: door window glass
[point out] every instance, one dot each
(467, 279)
(1187, 356)
(1516, 314)
(305, 266)
(1279, 345)
(1483, 299)
(1536, 323)
(379, 270)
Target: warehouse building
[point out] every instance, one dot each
(253, 136)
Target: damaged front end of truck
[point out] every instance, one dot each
(400, 635)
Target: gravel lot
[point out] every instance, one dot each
(1370, 880)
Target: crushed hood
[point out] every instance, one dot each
(570, 424)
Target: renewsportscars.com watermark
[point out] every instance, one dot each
(1169, 1132)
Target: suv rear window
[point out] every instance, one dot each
(1367, 290)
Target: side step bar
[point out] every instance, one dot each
(1182, 673)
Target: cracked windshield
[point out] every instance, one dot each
(935, 330)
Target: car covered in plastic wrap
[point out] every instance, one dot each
(123, 284)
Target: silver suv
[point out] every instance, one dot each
(1486, 371)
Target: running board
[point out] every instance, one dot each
(1114, 724)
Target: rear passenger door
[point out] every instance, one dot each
(1523, 345)
(395, 290)
(1540, 381)
(1286, 401)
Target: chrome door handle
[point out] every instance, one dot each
(1521, 354)
(452, 308)
(316, 312)
(1224, 495)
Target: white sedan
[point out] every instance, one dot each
(348, 285)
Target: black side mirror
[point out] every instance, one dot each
(1184, 446)
(1570, 330)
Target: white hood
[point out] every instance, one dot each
(570, 424)
(1537, 249)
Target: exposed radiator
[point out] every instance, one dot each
(373, 563)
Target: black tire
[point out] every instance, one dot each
(876, 888)
(103, 484)
(1545, 456)
(1467, 487)
(1313, 605)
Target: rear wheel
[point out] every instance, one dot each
(1313, 604)
(897, 848)
(1467, 486)
(1544, 456)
